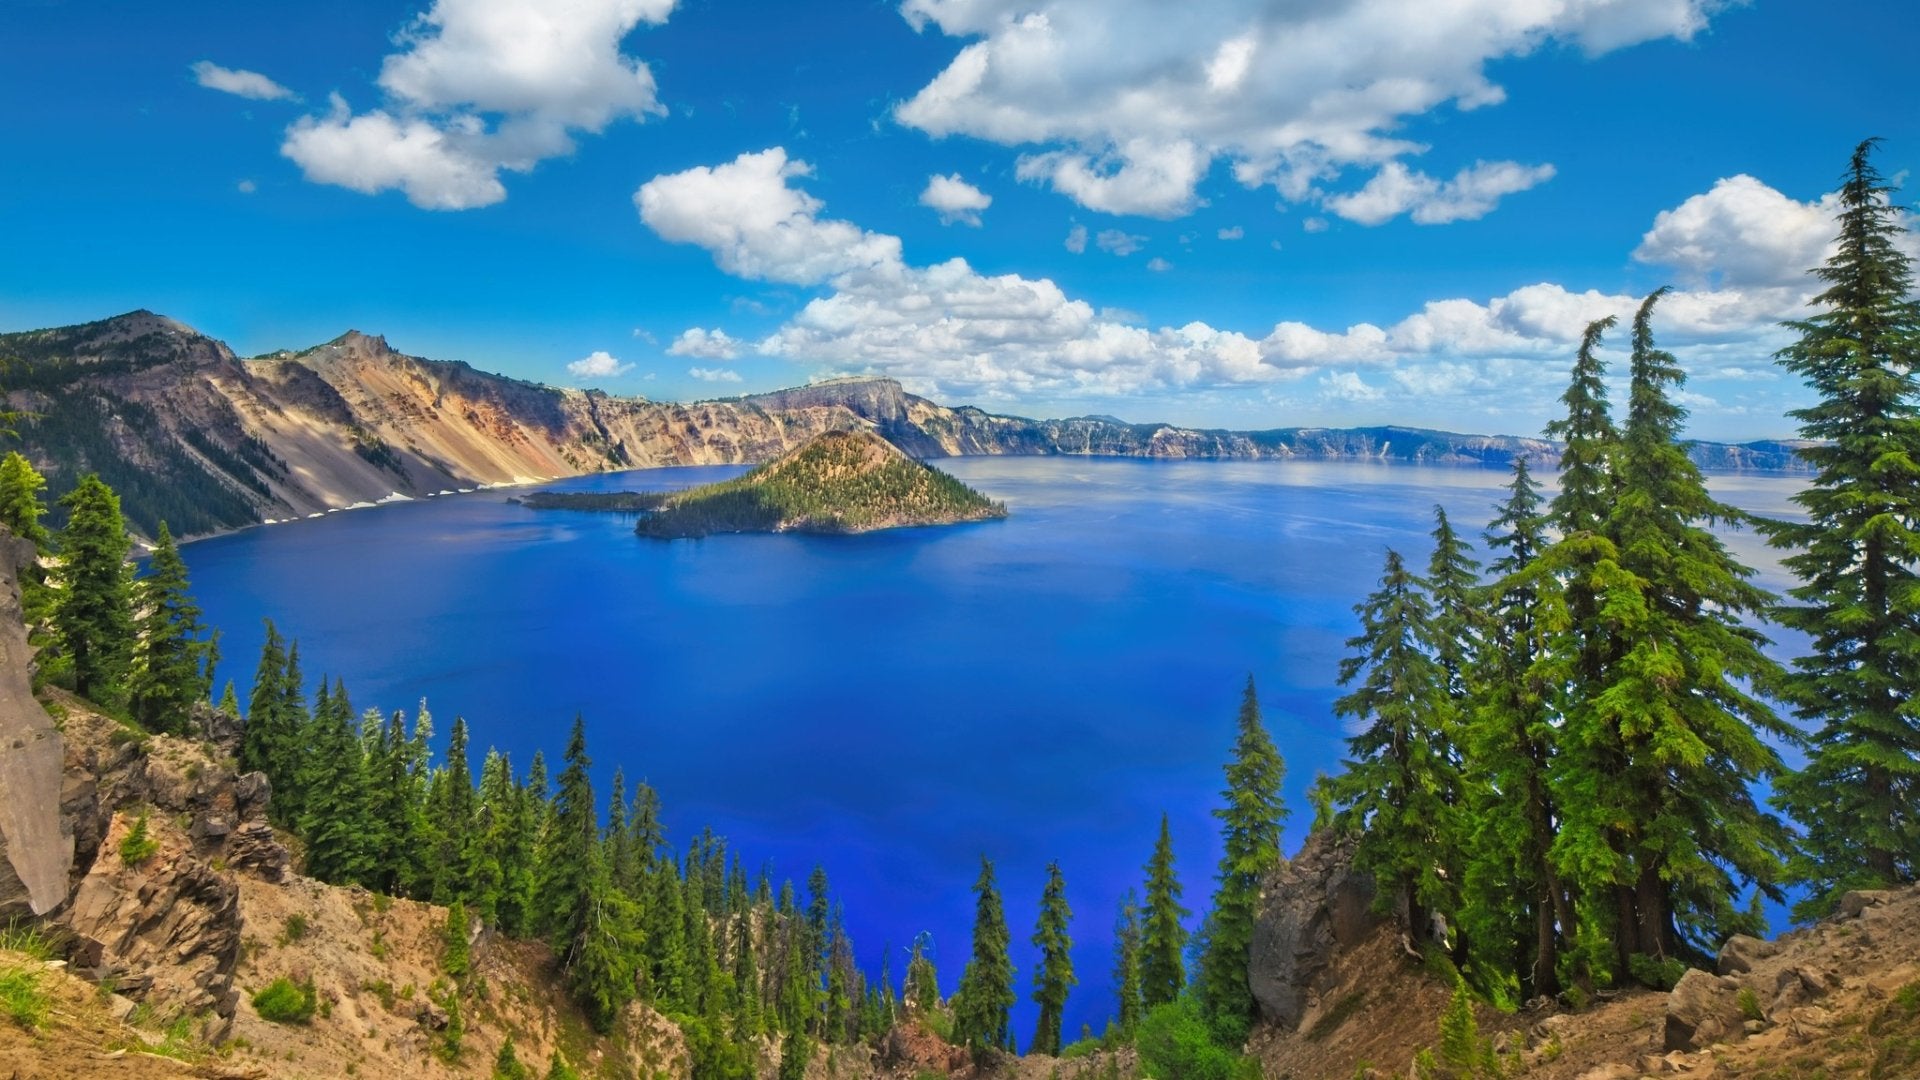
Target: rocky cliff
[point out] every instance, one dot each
(36, 844)
(187, 432)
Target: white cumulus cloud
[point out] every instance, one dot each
(949, 329)
(1471, 194)
(1125, 105)
(703, 344)
(1076, 241)
(479, 87)
(714, 374)
(246, 84)
(1119, 242)
(598, 364)
(955, 200)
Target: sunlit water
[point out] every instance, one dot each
(895, 705)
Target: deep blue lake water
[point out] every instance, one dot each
(895, 705)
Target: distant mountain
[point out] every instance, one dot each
(191, 434)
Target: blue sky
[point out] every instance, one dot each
(1225, 213)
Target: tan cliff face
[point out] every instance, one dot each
(188, 432)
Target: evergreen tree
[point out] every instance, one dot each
(1054, 977)
(170, 669)
(1588, 440)
(1127, 948)
(622, 862)
(92, 614)
(1666, 751)
(493, 806)
(230, 701)
(266, 730)
(600, 956)
(337, 822)
(1453, 585)
(1857, 556)
(666, 936)
(20, 505)
(649, 835)
(746, 979)
(397, 766)
(1163, 942)
(572, 852)
(1514, 910)
(1397, 785)
(922, 985)
(452, 814)
(986, 987)
(1250, 828)
(292, 745)
(20, 513)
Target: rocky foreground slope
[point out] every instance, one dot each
(188, 432)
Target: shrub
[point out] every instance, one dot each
(1176, 1043)
(286, 1002)
(1749, 1003)
(293, 929)
(558, 1069)
(138, 845)
(1659, 974)
(507, 1064)
(455, 960)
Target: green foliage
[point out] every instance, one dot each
(1177, 1043)
(456, 958)
(139, 844)
(922, 986)
(1163, 937)
(838, 482)
(23, 996)
(172, 660)
(507, 1064)
(1857, 556)
(1656, 972)
(284, 1001)
(293, 928)
(28, 938)
(1749, 1003)
(558, 1069)
(1127, 947)
(93, 611)
(1401, 787)
(1054, 977)
(1250, 833)
(343, 837)
(986, 987)
(1464, 1054)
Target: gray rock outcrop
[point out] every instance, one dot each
(36, 845)
(1311, 908)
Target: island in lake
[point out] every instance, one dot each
(836, 482)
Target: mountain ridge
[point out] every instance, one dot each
(190, 433)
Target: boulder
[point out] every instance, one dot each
(1311, 908)
(1701, 1010)
(1740, 953)
(1854, 903)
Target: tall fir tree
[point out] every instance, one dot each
(921, 989)
(986, 987)
(266, 730)
(572, 851)
(337, 824)
(1395, 789)
(452, 820)
(287, 767)
(1513, 910)
(1663, 754)
(623, 865)
(93, 612)
(1054, 978)
(600, 957)
(171, 669)
(1250, 834)
(1453, 584)
(1857, 556)
(1163, 969)
(1127, 949)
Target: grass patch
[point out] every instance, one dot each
(286, 1002)
(1336, 1016)
(22, 998)
(28, 939)
(293, 929)
(1749, 1003)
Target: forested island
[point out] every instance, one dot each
(836, 482)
